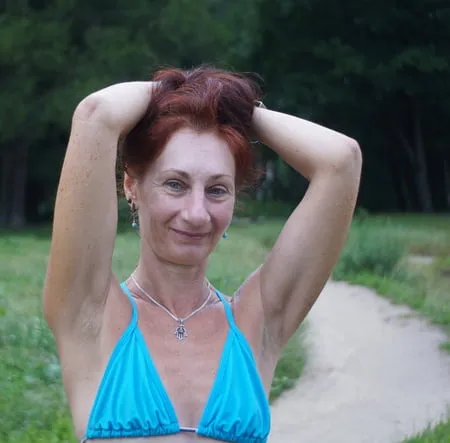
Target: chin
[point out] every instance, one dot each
(189, 256)
(188, 259)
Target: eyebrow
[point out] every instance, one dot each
(186, 175)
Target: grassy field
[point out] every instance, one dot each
(32, 405)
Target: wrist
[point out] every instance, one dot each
(254, 133)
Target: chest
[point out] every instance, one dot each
(186, 371)
(188, 368)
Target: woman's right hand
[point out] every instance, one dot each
(119, 107)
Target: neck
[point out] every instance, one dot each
(181, 289)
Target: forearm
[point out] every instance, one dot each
(308, 147)
(118, 107)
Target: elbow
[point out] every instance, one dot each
(94, 109)
(88, 109)
(350, 158)
(344, 160)
(354, 152)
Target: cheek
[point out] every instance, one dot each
(162, 208)
(223, 214)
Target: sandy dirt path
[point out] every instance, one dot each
(374, 374)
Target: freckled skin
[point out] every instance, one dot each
(185, 202)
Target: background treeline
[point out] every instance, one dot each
(379, 71)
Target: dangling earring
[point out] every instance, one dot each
(134, 215)
(135, 221)
(225, 235)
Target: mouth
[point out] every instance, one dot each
(191, 235)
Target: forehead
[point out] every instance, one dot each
(196, 153)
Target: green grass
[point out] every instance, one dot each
(436, 434)
(424, 234)
(32, 403)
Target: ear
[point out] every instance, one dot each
(129, 186)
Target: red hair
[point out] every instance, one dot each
(204, 99)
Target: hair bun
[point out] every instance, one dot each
(171, 79)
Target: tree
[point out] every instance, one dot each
(54, 53)
(375, 69)
(32, 54)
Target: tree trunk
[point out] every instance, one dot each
(399, 180)
(5, 186)
(447, 182)
(421, 170)
(415, 153)
(19, 180)
(407, 201)
(409, 158)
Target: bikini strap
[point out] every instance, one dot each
(228, 310)
(134, 310)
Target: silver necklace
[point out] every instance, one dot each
(180, 331)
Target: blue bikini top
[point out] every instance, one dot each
(132, 401)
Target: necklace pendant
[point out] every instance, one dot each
(180, 332)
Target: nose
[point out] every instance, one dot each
(195, 211)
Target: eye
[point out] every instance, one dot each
(217, 191)
(175, 185)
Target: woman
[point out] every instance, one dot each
(164, 356)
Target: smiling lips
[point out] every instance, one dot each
(191, 235)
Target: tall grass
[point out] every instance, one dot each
(370, 248)
(437, 434)
(378, 254)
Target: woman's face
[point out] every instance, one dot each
(186, 199)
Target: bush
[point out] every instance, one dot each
(370, 249)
